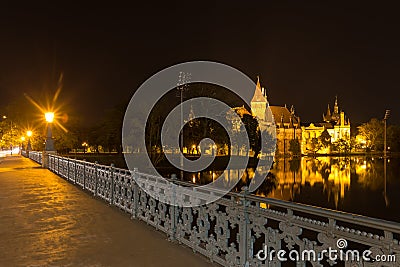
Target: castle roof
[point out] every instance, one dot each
(258, 95)
(282, 114)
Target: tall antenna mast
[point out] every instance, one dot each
(182, 86)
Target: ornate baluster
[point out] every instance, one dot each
(135, 190)
(84, 174)
(112, 170)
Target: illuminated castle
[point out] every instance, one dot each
(287, 123)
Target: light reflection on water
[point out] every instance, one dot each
(361, 185)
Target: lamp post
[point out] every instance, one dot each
(387, 114)
(49, 144)
(49, 116)
(29, 146)
(11, 133)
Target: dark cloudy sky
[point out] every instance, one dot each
(305, 52)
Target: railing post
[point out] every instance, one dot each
(74, 171)
(58, 165)
(135, 189)
(84, 173)
(68, 169)
(95, 178)
(112, 184)
(243, 230)
(174, 211)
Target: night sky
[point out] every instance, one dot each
(305, 53)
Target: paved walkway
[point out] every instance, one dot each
(46, 221)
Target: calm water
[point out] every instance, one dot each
(361, 185)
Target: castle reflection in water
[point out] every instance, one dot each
(332, 175)
(362, 185)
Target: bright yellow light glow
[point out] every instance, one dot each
(29, 133)
(49, 116)
(22, 138)
(4, 117)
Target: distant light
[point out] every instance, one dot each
(22, 138)
(4, 117)
(29, 133)
(15, 150)
(49, 116)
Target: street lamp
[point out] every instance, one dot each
(85, 145)
(49, 116)
(11, 133)
(387, 114)
(29, 134)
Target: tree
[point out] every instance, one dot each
(314, 145)
(325, 139)
(372, 132)
(342, 146)
(393, 138)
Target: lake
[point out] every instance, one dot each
(360, 185)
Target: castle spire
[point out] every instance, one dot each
(336, 107)
(258, 95)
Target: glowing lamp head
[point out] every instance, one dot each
(29, 133)
(49, 117)
(22, 138)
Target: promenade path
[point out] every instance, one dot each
(46, 221)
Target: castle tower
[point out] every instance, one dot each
(336, 107)
(259, 102)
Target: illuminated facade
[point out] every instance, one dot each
(336, 123)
